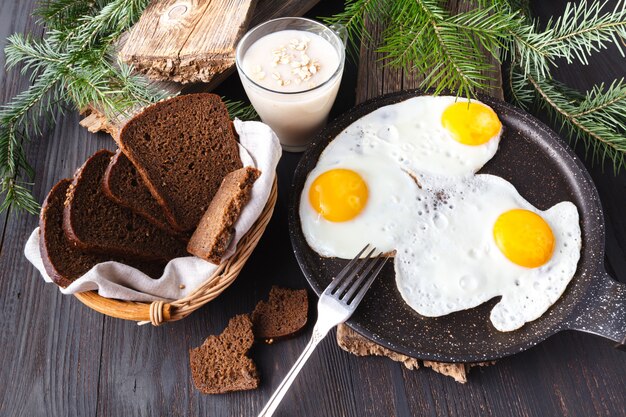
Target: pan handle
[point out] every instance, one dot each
(604, 312)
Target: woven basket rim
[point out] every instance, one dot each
(159, 312)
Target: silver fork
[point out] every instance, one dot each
(336, 305)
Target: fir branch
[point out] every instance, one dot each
(63, 14)
(422, 35)
(447, 49)
(17, 194)
(598, 118)
(354, 15)
(240, 110)
(69, 65)
(582, 30)
(21, 117)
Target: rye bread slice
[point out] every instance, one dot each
(220, 364)
(94, 223)
(63, 262)
(216, 228)
(283, 314)
(183, 148)
(123, 184)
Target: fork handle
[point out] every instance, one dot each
(318, 334)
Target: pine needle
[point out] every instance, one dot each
(240, 110)
(597, 117)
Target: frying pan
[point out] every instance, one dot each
(535, 160)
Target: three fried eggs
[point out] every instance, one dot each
(402, 178)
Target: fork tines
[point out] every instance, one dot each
(357, 275)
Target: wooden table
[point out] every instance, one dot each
(58, 358)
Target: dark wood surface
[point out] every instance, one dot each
(60, 359)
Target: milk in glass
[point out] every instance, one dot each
(291, 78)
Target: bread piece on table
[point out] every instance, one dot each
(183, 148)
(216, 228)
(63, 262)
(123, 184)
(94, 223)
(220, 364)
(283, 314)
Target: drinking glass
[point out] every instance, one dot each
(295, 116)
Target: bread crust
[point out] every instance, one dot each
(50, 268)
(180, 218)
(128, 251)
(154, 214)
(216, 228)
(63, 262)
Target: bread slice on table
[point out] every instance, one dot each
(123, 184)
(220, 364)
(63, 262)
(283, 314)
(94, 223)
(183, 148)
(216, 228)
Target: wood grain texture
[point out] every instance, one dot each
(187, 41)
(60, 359)
(375, 78)
(194, 41)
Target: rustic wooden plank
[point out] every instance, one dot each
(183, 41)
(176, 40)
(51, 344)
(50, 358)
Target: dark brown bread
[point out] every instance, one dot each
(183, 148)
(216, 228)
(65, 263)
(284, 314)
(96, 224)
(220, 365)
(123, 184)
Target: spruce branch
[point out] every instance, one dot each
(58, 14)
(582, 30)
(240, 110)
(354, 15)
(68, 66)
(597, 118)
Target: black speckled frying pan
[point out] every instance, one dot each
(535, 160)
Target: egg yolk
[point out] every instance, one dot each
(524, 238)
(471, 123)
(338, 195)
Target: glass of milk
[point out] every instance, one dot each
(291, 70)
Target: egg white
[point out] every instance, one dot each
(450, 261)
(389, 208)
(411, 134)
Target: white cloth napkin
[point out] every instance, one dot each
(259, 147)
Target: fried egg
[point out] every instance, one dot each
(402, 178)
(355, 200)
(478, 239)
(431, 135)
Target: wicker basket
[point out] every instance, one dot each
(159, 312)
